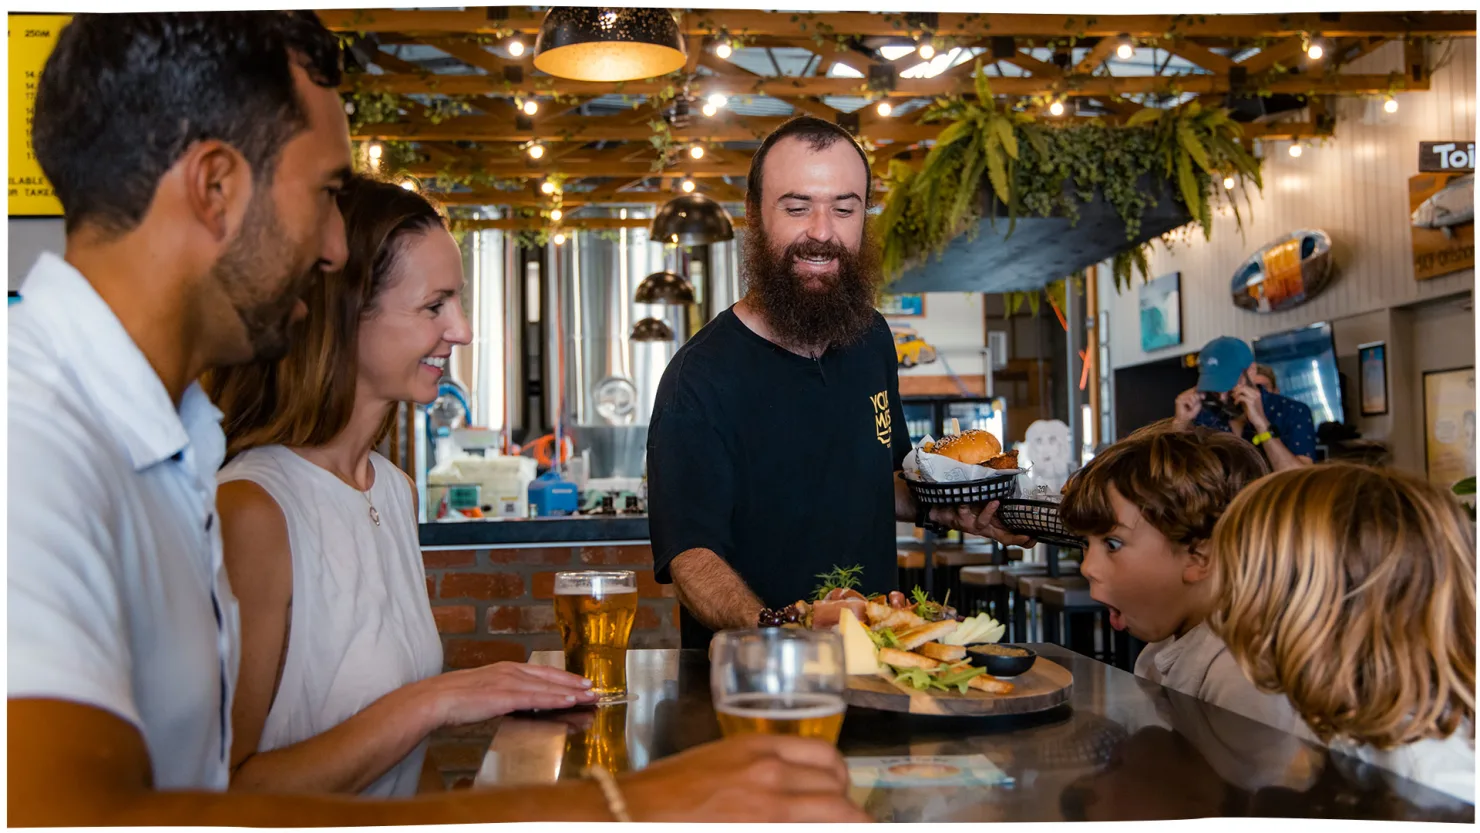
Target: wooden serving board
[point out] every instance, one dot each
(1045, 685)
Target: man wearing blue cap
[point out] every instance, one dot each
(1226, 399)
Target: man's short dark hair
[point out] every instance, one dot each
(817, 133)
(124, 95)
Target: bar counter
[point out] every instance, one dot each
(1120, 749)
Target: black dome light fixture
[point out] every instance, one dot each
(665, 288)
(691, 220)
(582, 43)
(651, 329)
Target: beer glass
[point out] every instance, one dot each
(779, 681)
(594, 610)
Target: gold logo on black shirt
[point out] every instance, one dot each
(883, 420)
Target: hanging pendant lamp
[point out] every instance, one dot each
(651, 329)
(665, 288)
(691, 220)
(607, 44)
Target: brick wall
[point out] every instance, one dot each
(497, 604)
(493, 605)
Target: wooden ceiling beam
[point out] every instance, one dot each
(701, 169)
(568, 223)
(570, 200)
(1197, 54)
(1091, 86)
(950, 24)
(1284, 53)
(717, 130)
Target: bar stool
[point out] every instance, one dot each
(1067, 599)
(983, 586)
(911, 565)
(1026, 581)
(954, 561)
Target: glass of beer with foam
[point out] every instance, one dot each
(779, 681)
(594, 610)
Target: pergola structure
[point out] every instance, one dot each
(446, 90)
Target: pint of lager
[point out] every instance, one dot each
(803, 715)
(594, 611)
(779, 681)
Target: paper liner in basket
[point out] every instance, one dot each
(925, 467)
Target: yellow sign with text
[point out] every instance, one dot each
(32, 37)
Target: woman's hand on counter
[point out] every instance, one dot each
(478, 694)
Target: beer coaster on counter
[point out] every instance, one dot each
(913, 771)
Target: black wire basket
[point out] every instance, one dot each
(929, 494)
(1039, 520)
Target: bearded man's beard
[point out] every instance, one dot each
(266, 312)
(837, 314)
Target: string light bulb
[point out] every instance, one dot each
(723, 49)
(1125, 51)
(547, 187)
(559, 238)
(375, 151)
(927, 51)
(718, 100)
(516, 47)
(1296, 150)
(885, 108)
(530, 107)
(1228, 183)
(697, 151)
(536, 150)
(1056, 108)
(1391, 105)
(710, 110)
(556, 214)
(688, 186)
(1314, 50)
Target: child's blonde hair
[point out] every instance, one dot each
(1352, 590)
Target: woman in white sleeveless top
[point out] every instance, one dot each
(340, 679)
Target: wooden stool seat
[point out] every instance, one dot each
(962, 558)
(910, 560)
(1066, 592)
(982, 576)
(1027, 586)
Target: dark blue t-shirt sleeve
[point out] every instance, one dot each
(690, 479)
(1296, 425)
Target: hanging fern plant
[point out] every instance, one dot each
(1000, 161)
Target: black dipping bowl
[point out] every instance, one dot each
(999, 666)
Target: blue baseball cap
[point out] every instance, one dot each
(1222, 362)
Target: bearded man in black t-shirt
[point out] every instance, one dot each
(778, 433)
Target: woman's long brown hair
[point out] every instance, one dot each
(1352, 590)
(306, 398)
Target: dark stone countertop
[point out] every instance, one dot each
(579, 529)
(1120, 749)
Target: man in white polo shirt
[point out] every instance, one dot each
(197, 157)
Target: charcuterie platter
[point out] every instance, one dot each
(914, 655)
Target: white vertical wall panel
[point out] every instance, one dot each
(1354, 186)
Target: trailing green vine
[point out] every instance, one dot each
(990, 160)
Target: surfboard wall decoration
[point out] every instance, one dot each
(1284, 274)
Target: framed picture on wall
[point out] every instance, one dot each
(1161, 312)
(902, 306)
(1449, 425)
(1372, 378)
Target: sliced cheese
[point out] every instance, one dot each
(859, 654)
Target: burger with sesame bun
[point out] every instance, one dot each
(974, 447)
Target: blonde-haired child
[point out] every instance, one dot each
(1352, 591)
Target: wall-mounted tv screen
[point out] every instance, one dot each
(1304, 363)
